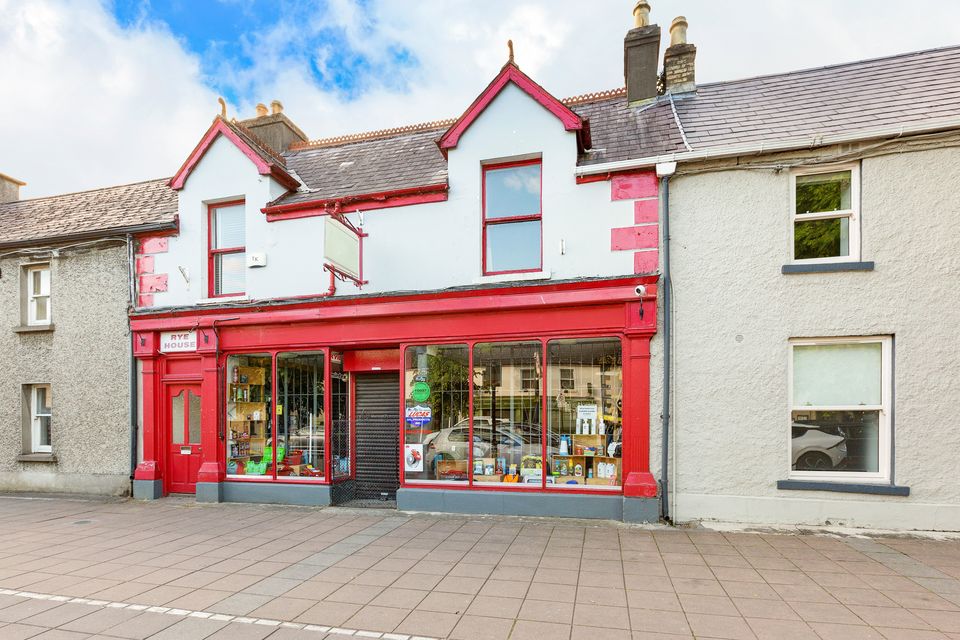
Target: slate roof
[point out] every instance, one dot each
(842, 98)
(142, 206)
(369, 166)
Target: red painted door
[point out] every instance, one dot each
(183, 438)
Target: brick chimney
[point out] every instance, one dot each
(9, 188)
(679, 59)
(641, 53)
(274, 128)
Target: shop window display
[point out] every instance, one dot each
(436, 425)
(300, 415)
(584, 412)
(507, 407)
(250, 446)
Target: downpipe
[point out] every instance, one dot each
(664, 171)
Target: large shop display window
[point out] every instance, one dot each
(436, 423)
(501, 386)
(295, 446)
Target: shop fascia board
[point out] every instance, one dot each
(464, 302)
(773, 146)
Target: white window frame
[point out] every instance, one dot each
(35, 416)
(32, 296)
(884, 463)
(852, 214)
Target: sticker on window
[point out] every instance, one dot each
(419, 415)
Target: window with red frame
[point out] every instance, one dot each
(227, 254)
(512, 217)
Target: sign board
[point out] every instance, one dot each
(587, 418)
(413, 458)
(341, 247)
(178, 341)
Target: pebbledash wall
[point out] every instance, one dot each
(85, 359)
(734, 312)
(403, 251)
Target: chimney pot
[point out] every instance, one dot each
(679, 60)
(678, 31)
(276, 107)
(261, 110)
(641, 14)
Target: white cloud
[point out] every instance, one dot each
(88, 103)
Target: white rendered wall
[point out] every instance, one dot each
(421, 247)
(731, 235)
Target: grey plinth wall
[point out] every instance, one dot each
(604, 507)
(317, 495)
(147, 489)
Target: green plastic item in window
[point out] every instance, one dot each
(257, 468)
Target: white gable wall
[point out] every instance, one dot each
(420, 247)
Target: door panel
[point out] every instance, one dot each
(377, 435)
(183, 438)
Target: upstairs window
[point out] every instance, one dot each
(512, 217)
(38, 294)
(826, 216)
(227, 253)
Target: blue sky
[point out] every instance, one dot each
(228, 34)
(124, 89)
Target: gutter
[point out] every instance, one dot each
(771, 146)
(92, 235)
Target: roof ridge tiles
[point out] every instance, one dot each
(85, 191)
(838, 65)
(333, 141)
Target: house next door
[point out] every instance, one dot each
(183, 439)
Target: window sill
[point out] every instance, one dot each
(826, 267)
(513, 277)
(223, 299)
(843, 487)
(36, 457)
(33, 328)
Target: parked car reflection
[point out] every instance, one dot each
(816, 450)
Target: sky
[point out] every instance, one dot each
(103, 92)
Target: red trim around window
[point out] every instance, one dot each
(212, 251)
(538, 217)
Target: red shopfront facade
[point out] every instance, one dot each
(516, 399)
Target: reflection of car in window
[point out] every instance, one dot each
(814, 449)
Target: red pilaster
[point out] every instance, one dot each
(211, 466)
(144, 348)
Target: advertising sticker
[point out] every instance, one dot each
(419, 415)
(413, 458)
(421, 391)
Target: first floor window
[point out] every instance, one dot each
(512, 217)
(825, 212)
(227, 251)
(41, 415)
(840, 408)
(38, 294)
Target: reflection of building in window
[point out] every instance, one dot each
(529, 380)
(567, 380)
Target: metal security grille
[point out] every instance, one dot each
(378, 425)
